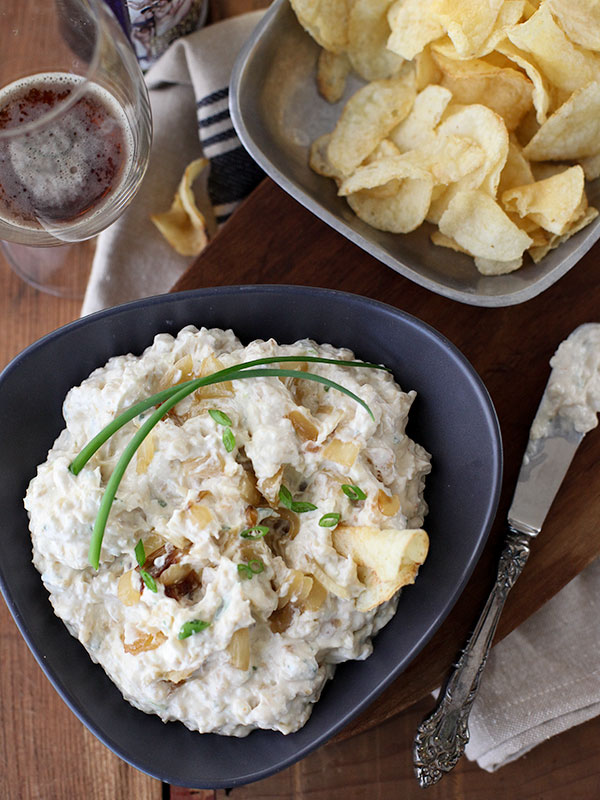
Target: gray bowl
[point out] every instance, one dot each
(452, 417)
(277, 113)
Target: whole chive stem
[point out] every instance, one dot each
(156, 399)
(168, 398)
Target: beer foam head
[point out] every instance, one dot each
(75, 159)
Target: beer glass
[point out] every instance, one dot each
(75, 130)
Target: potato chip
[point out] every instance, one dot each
(488, 266)
(565, 65)
(573, 131)
(386, 559)
(510, 13)
(537, 253)
(401, 212)
(506, 91)
(426, 71)
(476, 222)
(580, 20)
(554, 204)
(516, 171)
(183, 225)
(325, 20)
(368, 32)
(368, 116)
(418, 127)
(332, 72)
(440, 239)
(591, 167)
(318, 159)
(468, 23)
(541, 94)
(413, 24)
(486, 129)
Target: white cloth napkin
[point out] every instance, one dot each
(544, 677)
(189, 95)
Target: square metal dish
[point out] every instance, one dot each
(277, 113)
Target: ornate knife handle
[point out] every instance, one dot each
(443, 735)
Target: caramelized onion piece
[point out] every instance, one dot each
(148, 641)
(281, 619)
(343, 453)
(171, 555)
(306, 430)
(185, 586)
(145, 454)
(129, 588)
(316, 597)
(239, 649)
(182, 370)
(386, 504)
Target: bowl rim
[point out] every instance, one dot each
(485, 527)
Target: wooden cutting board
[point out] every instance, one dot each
(273, 239)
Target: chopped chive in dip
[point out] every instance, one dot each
(253, 567)
(261, 530)
(353, 492)
(329, 520)
(287, 501)
(228, 439)
(162, 402)
(220, 417)
(140, 557)
(192, 626)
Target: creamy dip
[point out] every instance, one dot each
(573, 392)
(267, 618)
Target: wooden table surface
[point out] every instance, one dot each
(47, 754)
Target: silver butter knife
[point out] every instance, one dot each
(555, 435)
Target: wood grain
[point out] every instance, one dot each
(509, 347)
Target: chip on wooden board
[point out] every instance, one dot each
(184, 225)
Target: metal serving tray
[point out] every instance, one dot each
(277, 113)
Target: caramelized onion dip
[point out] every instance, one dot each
(278, 523)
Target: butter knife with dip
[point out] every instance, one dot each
(567, 411)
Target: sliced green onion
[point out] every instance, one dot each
(149, 581)
(261, 530)
(329, 520)
(192, 626)
(285, 497)
(167, 399)
(287, 501)
(140, 557)
(228, 439)
(253, 567)
(353, 492)
(140, 554)
(301, 507)
(220, 417)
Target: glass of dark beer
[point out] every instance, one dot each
(75, 131)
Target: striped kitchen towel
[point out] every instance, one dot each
(233, 174)
(189, 95)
